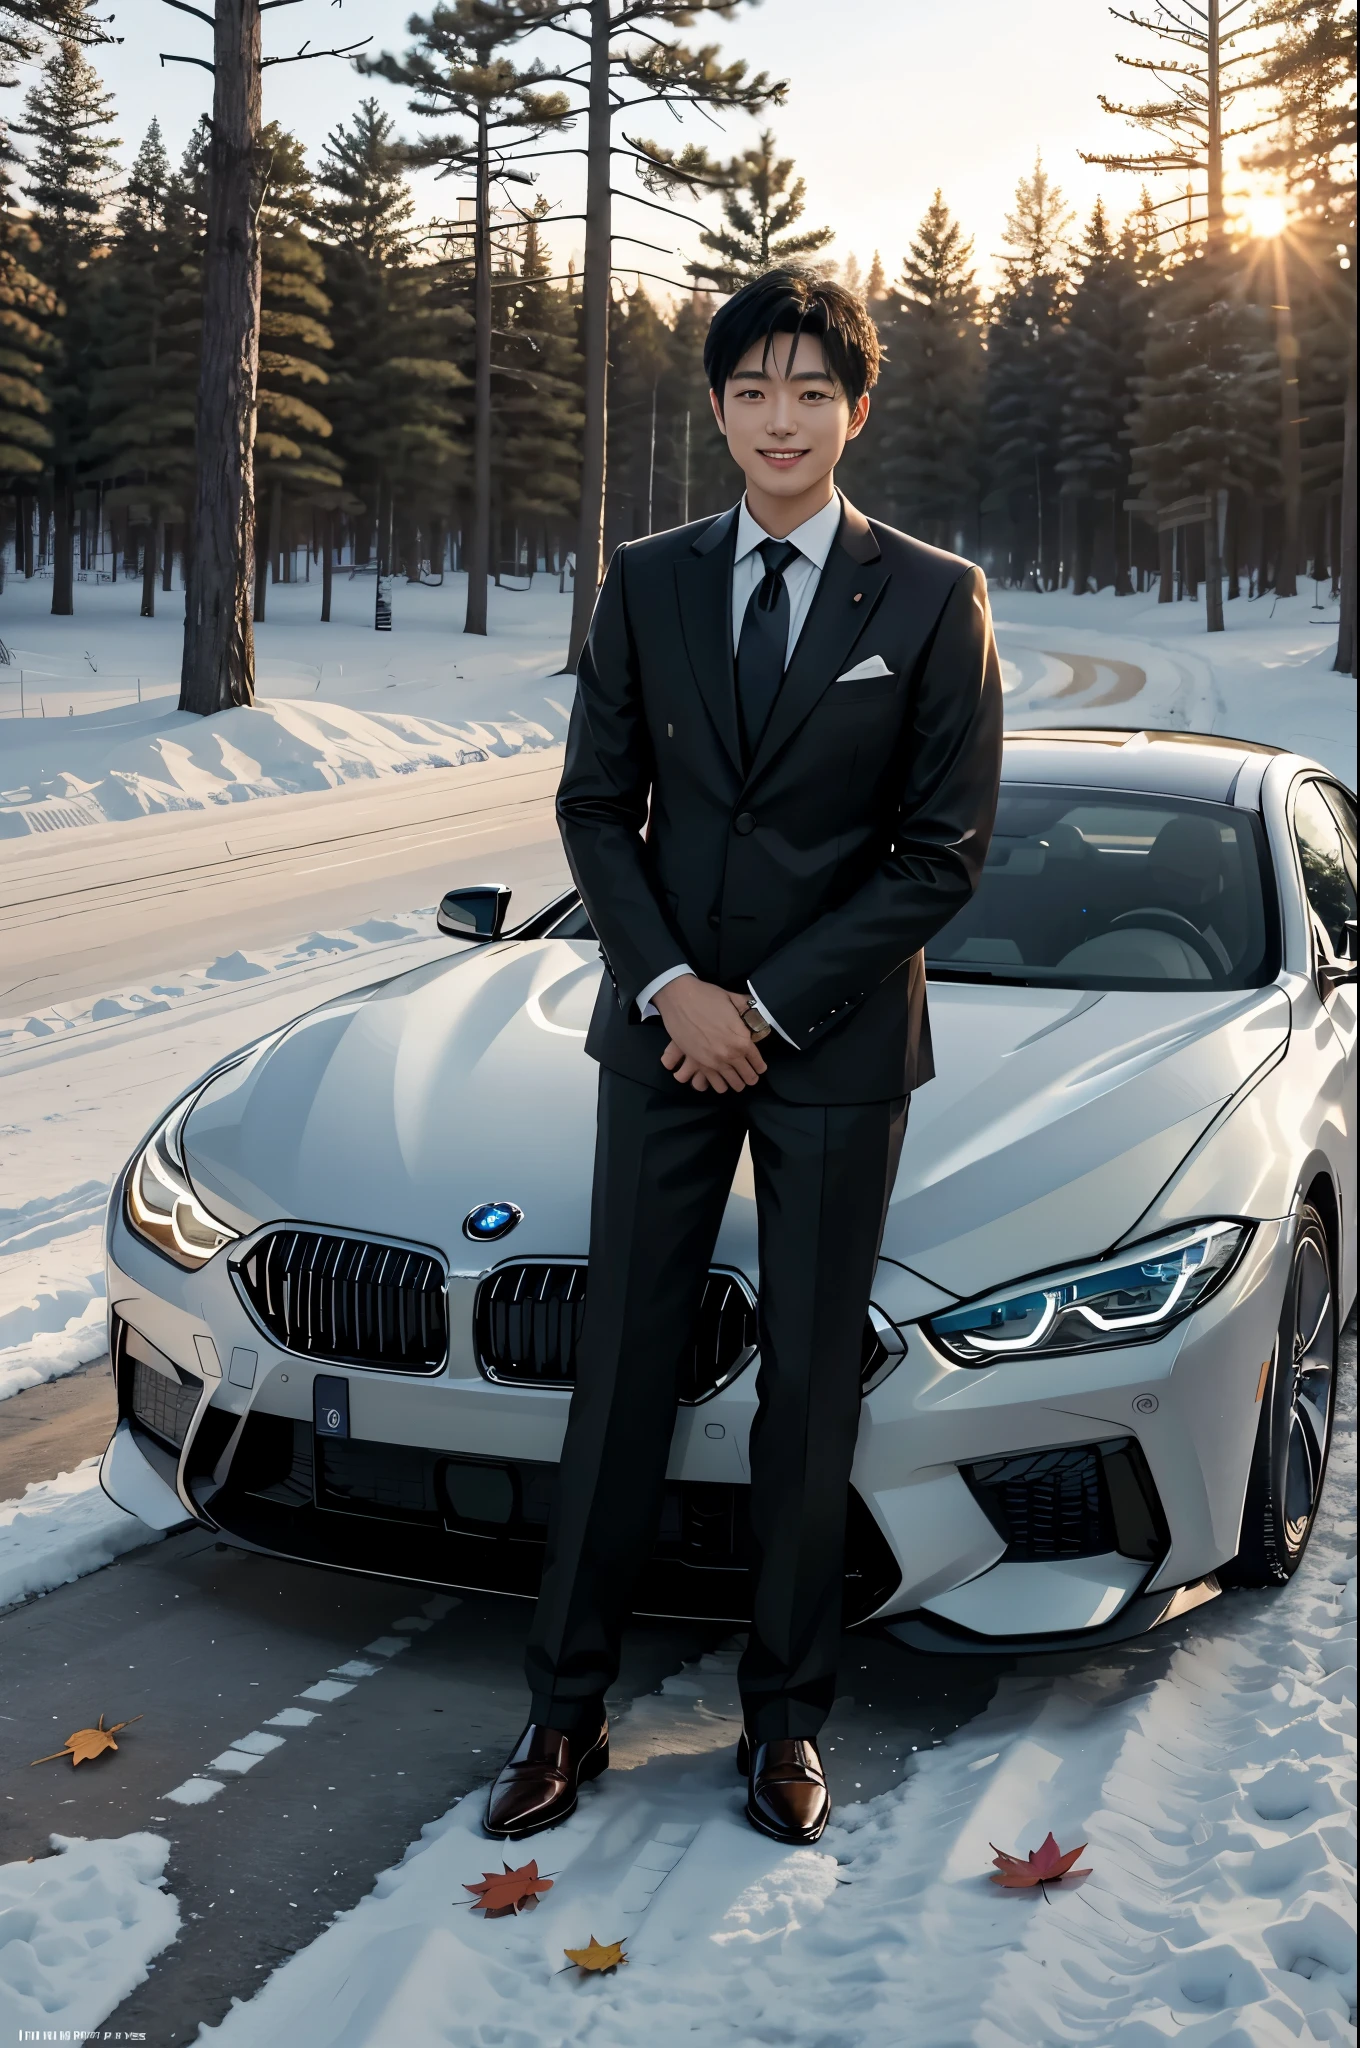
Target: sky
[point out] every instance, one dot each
(886, 100)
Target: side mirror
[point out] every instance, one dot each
(477, 913)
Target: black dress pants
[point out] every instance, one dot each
(664, 1163)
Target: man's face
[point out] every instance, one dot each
(786, 422)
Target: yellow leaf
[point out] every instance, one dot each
(87, 1743)
(599, 1955)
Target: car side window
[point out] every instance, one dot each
(1328, 876)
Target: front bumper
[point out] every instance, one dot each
(406, 1495)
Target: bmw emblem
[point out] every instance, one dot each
(491, 1220)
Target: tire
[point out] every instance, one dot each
(1289, 1461)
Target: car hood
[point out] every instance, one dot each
(1054, 1118)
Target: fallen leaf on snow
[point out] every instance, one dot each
(87, 1743)
(1043, 1866)
(598, 1955)
(508, 1891)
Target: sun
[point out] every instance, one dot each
(1266, 215)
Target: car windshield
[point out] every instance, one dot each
(1096, 889)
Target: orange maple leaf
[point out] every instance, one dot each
(599, 1955)
(508, 1890)
(1043, 1866)
(87, 1743)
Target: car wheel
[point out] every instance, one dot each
(1295, 1433)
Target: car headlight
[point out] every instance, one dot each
(162, 1206)
(1128, 1298)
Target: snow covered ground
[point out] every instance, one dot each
(1213, 1782)
(77, 1931)
(61, 1529)
(89, 731)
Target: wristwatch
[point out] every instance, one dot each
(758, 1026)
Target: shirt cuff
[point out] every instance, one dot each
(646, 1007)
(773, 1022)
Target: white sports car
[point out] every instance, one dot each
(347, 1269)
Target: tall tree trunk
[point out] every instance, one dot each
(149, 574)
(26, 521)
(327, 564)
(63, 542)
(1213, 135)
(1344, 663)
(1119, 539)
(219, 642)
(1232, 545)
(1213, 569)
(1166, 563)
(479, 533)
(260, 594)
(1291, 456)
(594, 333)
(167, 556)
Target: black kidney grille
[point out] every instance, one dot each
(161, 1405)
(1048, 1504)
(348, 1300)
(527, 1324)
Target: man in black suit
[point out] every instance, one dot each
(780, 782)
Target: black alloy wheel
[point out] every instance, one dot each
(1295, 1433)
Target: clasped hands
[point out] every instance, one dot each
(710, 1046)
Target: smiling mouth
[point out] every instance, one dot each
(784, 456)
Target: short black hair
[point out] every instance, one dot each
(792, 301)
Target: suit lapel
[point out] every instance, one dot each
(848, 592)
(703, 580)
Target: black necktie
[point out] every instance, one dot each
(763, 644)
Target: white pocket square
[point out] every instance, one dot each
(874, 666)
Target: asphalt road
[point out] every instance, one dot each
(96, 909)
(209, 1644)
(49, 1429)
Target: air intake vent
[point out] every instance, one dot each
(528, 1325)
(1083, 1500)
(348, 1301)
(161, 1405)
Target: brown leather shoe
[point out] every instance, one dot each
(787, 1797)
(538, 1782)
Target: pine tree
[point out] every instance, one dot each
(27, 310)
(537, 452)
(71, 178)
(294, 465)
(760, 228)
(460, 65)
(1025, 378)
(1204, 418)
(1106, 332)
(930, 438)
(1309, 75)
(393, 396)
(639, 409)
(140, 440)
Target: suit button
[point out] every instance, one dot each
(714, 921)
(743, 823)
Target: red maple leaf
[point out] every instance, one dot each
(1043, 1866)
(508, 1890)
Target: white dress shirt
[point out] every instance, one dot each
(813, 540)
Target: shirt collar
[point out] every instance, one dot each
(812, 539)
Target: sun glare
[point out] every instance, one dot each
(1265, 215)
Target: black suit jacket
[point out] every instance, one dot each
(859, 829)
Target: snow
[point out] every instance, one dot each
(78, 1931)
(59, 1530)
(91, 732)
(1212, 1780)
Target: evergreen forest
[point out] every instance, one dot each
(1157, 394)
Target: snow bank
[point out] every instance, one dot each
(77, 1932)
(268, 749)
(61, 1529)
(51, 1286)
(1210, 1780)
(194, 985)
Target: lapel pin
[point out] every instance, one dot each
(858, 595)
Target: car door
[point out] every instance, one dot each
(1325, 841)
